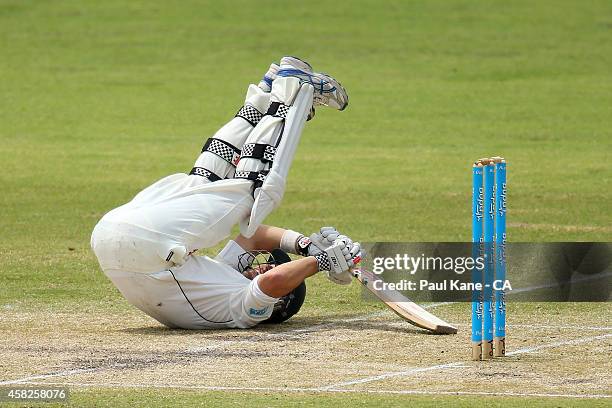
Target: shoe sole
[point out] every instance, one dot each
(338, 86)
(296, 63)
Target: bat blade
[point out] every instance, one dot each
(403, 306)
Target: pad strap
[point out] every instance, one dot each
(263, 152)
(250, 114)
(278, 109)
(257, 176)
(223, 149)
(202, 172)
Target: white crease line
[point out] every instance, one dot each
(432, 305)
(542, 327)
(318, 390)
(42, 376)
(391, 375)
(558, 344)
(457, 364)
(560, 327)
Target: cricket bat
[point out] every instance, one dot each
(404, 307)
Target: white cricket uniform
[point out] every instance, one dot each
(146, 246)
(132, 243)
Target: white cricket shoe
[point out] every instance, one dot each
(327, 90)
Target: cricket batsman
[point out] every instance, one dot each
(147, 247)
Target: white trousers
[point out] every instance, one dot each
(178, 214)
(132, 244)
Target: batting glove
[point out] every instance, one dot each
(341, 256)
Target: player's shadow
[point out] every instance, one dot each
(295, 327)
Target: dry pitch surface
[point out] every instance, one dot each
(555, 351)
(103, 98)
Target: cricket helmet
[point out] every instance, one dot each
(287, 305)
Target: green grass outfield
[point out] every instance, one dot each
(100, 99)
(145, 398)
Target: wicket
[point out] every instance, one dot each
(488, 241)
